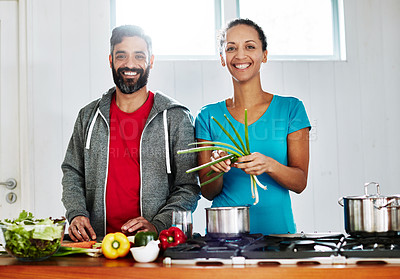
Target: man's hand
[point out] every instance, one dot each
(138, 224)
(80, 229)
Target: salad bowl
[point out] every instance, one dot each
(29, 239)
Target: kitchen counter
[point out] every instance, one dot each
(80, 266)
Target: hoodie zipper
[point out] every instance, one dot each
(98, 112)
(167, 159)
(140, 162)
(165, 125)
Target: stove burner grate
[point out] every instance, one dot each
(371, 247)
(259, 247)
(292, 248)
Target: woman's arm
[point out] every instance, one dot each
(211, 190)
(294, 176)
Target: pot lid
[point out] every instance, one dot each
(371, 197)
(227, 208)
(377, 195)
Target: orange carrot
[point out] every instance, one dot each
(82, 244)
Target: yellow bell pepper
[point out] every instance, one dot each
(115, 245)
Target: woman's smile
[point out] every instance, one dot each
(242, 66)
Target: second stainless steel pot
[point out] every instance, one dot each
(227, 222)
(371, 214)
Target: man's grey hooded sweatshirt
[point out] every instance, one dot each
(165, 185)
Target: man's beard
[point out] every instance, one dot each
(129, 86)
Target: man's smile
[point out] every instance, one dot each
(130, 73)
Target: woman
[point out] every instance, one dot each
(278, 135)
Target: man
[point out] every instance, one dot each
(121, 169)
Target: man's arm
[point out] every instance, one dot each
(73, 182)
(184, 187)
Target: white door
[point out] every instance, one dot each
(10, 202)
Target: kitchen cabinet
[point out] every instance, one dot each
(80, 266)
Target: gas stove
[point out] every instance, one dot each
(299, 249)
(371, 248)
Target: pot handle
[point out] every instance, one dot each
(370, 183)
(340, 201)
(387, 204)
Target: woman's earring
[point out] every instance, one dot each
(265, 57)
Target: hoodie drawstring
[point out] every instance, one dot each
(87, 146)
(165, 122)
(167, 156)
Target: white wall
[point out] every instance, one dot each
(352, 105)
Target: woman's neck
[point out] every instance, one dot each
(247, 94)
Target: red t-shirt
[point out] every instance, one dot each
(123, 181)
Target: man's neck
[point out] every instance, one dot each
(131, 102)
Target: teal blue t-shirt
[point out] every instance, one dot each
(268, 135)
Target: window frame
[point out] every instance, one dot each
(160, 57)
(339, 52)
(226, 10)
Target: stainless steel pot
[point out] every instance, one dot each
(371, 214)
(227, 222)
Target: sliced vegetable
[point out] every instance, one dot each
(171, 237)
(142, 238)
(115, 245)
(81, 244)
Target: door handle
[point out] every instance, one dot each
(10, 184)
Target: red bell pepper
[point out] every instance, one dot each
(171, 237)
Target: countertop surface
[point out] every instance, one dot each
(82, 266)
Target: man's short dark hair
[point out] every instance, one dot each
(122, 31)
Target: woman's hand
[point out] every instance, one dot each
(211, 190)
(223, 166)
(255, 163)
(293, 176)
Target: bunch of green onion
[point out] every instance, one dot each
(234, 152)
